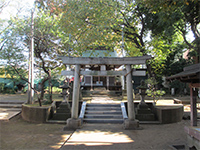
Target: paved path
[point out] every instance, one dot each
(104, 99)
(98, 136)
(9, 108)
(8, 113)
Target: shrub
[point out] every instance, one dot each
(152, 91)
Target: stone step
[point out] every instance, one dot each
(103, 120)
(144, 111)
(63, 111)
(10, 109)
(103, 116)
(103, 112)
(145, 117)
(12, 102)
(149, 122)
(103, 108)
(61, 116)
(103, 105)
(10, 105)
(56, 121)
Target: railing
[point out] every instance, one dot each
(123, 108)
(82, 113)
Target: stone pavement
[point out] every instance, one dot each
(98, 136)
(104, 99)
(8, 113)
(9, 108)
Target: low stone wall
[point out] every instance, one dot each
(35, 114)
(164, 113)
(169, 113)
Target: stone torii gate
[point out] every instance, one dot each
(74, 122)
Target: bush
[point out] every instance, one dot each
(152, 91)
(56, 90)
(179, 87)
(155, 94)
(1, 87)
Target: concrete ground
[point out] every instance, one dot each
(10, 105)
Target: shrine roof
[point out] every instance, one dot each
(190, 74)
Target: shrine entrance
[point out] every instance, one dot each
(102, 62)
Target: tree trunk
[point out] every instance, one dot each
(50, 86)
(150, 72)
(42, 88)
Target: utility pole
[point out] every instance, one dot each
(122, 41)
(31, 64)
(69, 66)
(122, 77)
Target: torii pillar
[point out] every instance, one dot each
(74, 122)
(131, 122)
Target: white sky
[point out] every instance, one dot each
(22, 7)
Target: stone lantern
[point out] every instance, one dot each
(65, 91)
(143, 111)
(142, 91)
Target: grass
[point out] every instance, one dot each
(37, 105)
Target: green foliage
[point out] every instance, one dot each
(176, 16)
(2, 87)
(99, 23)
(179, 87)
(152, 91)
(47, 45)
(155, 94)
(56, 90)
(71, 27)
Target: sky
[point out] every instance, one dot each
(13, 7)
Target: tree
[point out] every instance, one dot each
(97, 22)
(12, 53)
(177, 16)
(47, 45)
(9, 72)
(94, 23)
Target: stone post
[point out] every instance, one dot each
(91, 83)
(129, 88)
(74, 122)
(193, 102)
(76, 88)
(130, 123)
(107, 82)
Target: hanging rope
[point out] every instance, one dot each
(129, 72)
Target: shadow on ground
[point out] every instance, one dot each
(19, 134)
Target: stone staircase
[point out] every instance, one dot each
(62, 113)
(103, 113)
(16, 105)
(9, 109)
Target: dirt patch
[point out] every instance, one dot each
(19, 134)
